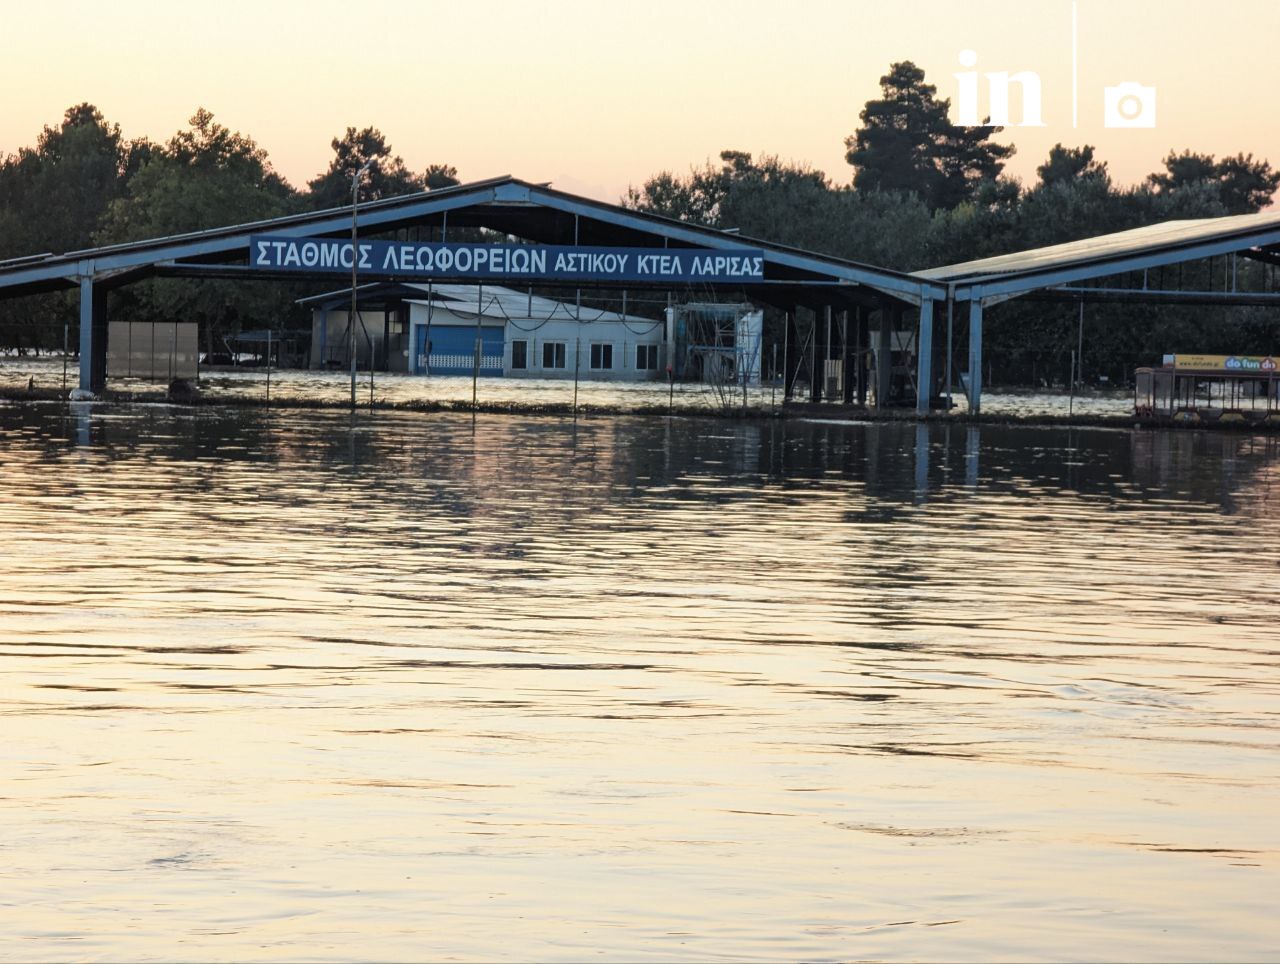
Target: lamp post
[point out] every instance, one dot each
(355, 260)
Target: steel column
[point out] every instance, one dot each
(849, 358)
(815, 385)
(860, 342)
(884, 355)
(924, 359)
(93, 336)
(789, 335)
(975, 356)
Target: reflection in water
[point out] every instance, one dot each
(305, 685)
(333, 388)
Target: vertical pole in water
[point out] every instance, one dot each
(846, 385)
(431, 307)
(1071, 401)
(864, 354)
(268, 364)
(826, 356)
(577, 357)
(951, 303)
(786, 365)
(884, 355)
(351, 313)
(355, 261)
(65, 336)
(815, 386)
(475, 362)
(1080, 346)
(577, 328)
(773, 380)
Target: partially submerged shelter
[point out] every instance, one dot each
(822, 296)
(1147, 264)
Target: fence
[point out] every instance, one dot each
(159, 350)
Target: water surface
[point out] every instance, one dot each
(334, 387)
(302, 686)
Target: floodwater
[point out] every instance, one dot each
(295, 685)
(333, 387)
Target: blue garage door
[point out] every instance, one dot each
(453, 350)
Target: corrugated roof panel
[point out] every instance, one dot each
(1152, 238)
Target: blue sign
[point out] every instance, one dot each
(515, 262)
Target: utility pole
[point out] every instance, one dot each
(355, 261)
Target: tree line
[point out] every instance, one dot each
(926, 192)
(83, 184)
(923, 192)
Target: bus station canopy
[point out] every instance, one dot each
(1138, 249)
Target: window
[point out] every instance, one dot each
(519, 355)
(647, 358)
(601, 355)
(553, 354)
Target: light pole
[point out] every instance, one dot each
(355, 260)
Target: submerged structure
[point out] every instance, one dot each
(836, 335)
(491, 330)
(1243, 389)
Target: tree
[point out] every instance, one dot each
(387, 177)
(793, 204)
(1243, 185)
(702, 197)
(1246, 185)
(206, 176)
(908, 143)
(1068, 164)
(52, 197)
(440, 175)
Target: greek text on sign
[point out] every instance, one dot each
(439, 259)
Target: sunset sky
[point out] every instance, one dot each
(594, 96)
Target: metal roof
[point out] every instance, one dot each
(496, 302)
(504, 204)
(1168, 242)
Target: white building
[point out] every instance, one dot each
(434, 329)
(523, 335)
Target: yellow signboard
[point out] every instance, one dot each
(1231, 364)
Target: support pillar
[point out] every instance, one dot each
(815, 364)
(849, 354)
(884, 356)
(860, 345)
(93, 336)
(790, 347)
(924, 359)
(975, 356)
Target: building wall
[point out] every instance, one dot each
(550, 347)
